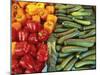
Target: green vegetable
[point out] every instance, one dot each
(60, 30)
(68, 36)
(69, 66)
(89, 52)
(89, 34)
(64, 18)
(79, 42)
(71, 49)
(63, 63)
(58, 47)
(80, 13)
(76, 8)
(90, 57)
(82, 22)
(69, 24)
(85, 62)
(63, 54)
(89, 27)
(66, 32)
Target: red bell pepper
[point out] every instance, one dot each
(22, 35)
(43, 35)
(42, 54)
(14, 34)
(33, 38)
(22, 48)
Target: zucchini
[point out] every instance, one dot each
(68, 36)
(85, 62)
(70, 65)
(77, 17)
(82, 22)
(89, 34)
(58, 47)
(58, 30)
(64, 18)
(63, 63)
(90, 57)
(69, 24)
(89, 52)
(65, 33)
(80, 13)
(89, 27)
(60, 54)
(71, 49)
(76, 8)
(79, 42)
(61, 11)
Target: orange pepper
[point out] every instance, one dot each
(15, 6)
(43, 14)
(13, 47)
(49, 26)
(20, 17)
(16, 25)
(23, 4)
(50, 9)
(36, 18)
(20, 10)
(52, 18)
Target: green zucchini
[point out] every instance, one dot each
(82, 22)
(64, 18)
(58, 47)
(89, 34)
(77, 17)
(61, 11)
(89, 52)
(90, 57)
(79, 42)
(71, 49)
(89, 27)
(69, 24)
(60, 54)
(60, 15)
(58, 30)
(68, 36)
(80, 13)
(63, 63)
(76, 8)
(70, 65)
(85, 62)
(65, 33)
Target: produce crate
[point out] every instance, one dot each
(51, 37)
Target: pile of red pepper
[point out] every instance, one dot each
(30, 35)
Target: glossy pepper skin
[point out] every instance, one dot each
(22, 35)
(43, 35)
(42, 54)
(22, 48)
(33, 39)
(27, 62)
(33, 26)
(14, 34)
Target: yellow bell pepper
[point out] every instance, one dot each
(36, 18)
(43, 14)
(40, 5)
(50, 9)
(49, 26)
(31, 8)
(13, 47)
(52, 18)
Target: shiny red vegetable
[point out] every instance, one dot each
(33, 39)
(22, 35)
(43, 35)
(22, 48)
(42, 54)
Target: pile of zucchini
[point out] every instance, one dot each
(72, 45)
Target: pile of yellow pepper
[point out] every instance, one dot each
(37, 12)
